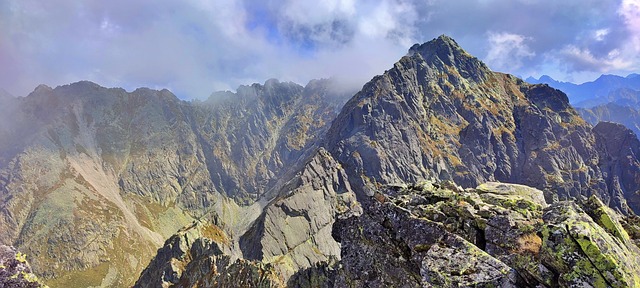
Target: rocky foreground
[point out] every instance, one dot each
(434, 235)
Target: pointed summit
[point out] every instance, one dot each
(444, 51)
(42, 88)
(440, 43)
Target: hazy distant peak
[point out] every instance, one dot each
(271, 82)
(545, 78)
(5, 94)
(633, 75)
(42, 88)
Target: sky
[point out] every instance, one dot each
(196, 47)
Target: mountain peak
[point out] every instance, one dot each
(444, 51)
(444, 47)
(42, 88)
(546, 78)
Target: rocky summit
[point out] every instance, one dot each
(438, 173)
(441, 113)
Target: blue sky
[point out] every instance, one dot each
(195, 47)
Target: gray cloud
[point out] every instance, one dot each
(194, 47)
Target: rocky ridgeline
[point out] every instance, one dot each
(613, 112)
(433, 234)
(441, 113)
(293, 234)
(93, 180)
(198, 256)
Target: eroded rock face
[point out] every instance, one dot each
(629, 116)
(290, 242)
(619, 149)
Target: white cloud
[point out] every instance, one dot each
(630, 11)
(507, 51)
(600, 34)
(317, 12)
(583, 60)
(197, 46)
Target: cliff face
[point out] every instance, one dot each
(294, 231)
(619, 149)
(93, 180)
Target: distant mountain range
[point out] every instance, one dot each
(609, 98)
(605, 89)
(613, 112)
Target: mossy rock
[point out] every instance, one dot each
(606, 218)
(583, 252)
(514, 190)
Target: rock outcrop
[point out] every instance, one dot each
(15, 271)
(294, 231)
(619, 153)
(199, 256)
(497, 235)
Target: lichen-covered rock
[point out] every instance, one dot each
(436, 234)
(15, 271)
(583, 252)
(394, 244)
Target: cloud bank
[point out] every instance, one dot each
(195, 47)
